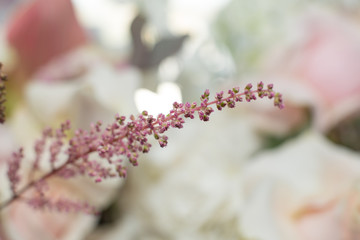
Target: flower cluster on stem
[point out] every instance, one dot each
(3, 79)
(120, 140)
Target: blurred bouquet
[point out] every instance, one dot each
(253, 172)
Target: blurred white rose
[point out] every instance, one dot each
(308, 189)
(83, 87)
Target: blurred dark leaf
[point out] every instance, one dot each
(141, 53)
(146, 57)
(109, 215)
(271, 141)
(347, 132)
(165, 48)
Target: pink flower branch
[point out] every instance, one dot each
(119, 140)
(3, 79)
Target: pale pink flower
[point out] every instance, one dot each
(325, 61)
(41, 30)
(24, 222)
(308, 189)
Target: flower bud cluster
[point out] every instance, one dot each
(269, 92)
(60, 205)
(120, 140)
(234, 96)
(13, 170)
(129, 138)
(3, 79)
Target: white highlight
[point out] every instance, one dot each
(159, 102)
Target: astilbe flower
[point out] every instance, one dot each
(3, 79)
(124, 138)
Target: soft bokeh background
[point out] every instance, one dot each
(253, 172)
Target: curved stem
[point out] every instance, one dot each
(29, 185)
(73, 159)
